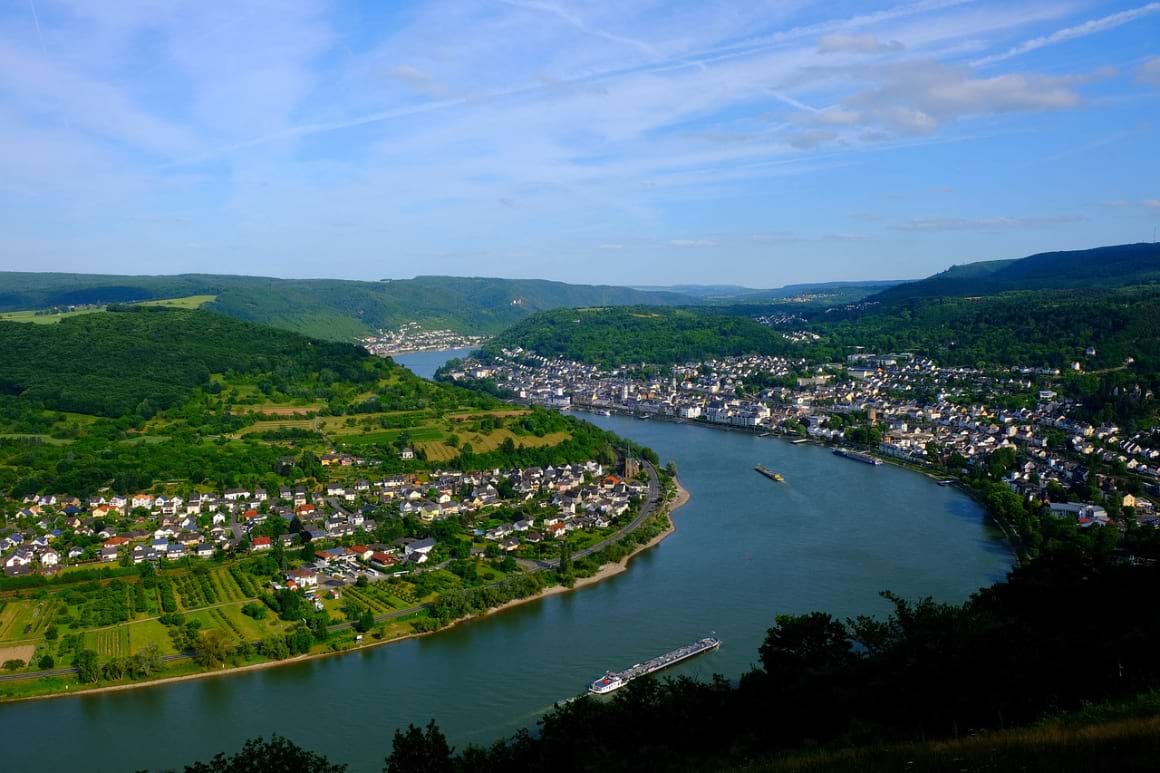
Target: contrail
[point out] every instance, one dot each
(36, 21)
(1090, 27)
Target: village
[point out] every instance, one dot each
(412, 337)
(900, 407)
(337, 520)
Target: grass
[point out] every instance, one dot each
(438, 451)
(148, 632)
(187, 302)
(37, 318)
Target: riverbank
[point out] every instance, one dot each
(607, 570)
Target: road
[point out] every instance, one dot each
(646, 510)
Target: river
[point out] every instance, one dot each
(831, 537)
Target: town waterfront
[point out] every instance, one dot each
(830, 537)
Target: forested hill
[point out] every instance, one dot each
(107, 364)
(1115, 266)
(330, 308)
(626, 335)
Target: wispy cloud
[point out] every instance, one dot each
(1090, 27)
(866, 43)
(1149, 71)
(986, 224)
(512, 129)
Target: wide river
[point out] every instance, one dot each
(830, 538)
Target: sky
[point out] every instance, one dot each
(612, 142)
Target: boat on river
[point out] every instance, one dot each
(614, 680)
(856, 456)
(776, 477)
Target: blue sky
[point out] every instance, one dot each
(748, 142)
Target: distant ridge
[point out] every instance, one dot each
(1113, 266)
(332, 309)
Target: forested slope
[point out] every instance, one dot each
(626, 335)
(1114, 266)
(330, 308)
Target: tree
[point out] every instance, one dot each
(419, 751)
(146, 662)
(15, 664)
(365, 621)
(87, 669)
(46, 662)
(800, 645)
(275, 647)
(212, 648)
(274, 756)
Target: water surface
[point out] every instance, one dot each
(831, 537)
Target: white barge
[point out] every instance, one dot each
(614, 680)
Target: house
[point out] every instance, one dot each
(262, 543)
(175, 552)
(108, 554)
(383, 559)
(49, 558)
(361, 552)
(419, 546)
(303, 578)
(204, 550)
(19, 558)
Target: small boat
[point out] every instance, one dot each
(606, 413)
(800, 440)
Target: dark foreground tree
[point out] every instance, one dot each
(277, 755)
(420, 751)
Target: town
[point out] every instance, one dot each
(901, 407)
(411, 337)
(337, 520)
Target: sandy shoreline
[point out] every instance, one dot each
(606, 571)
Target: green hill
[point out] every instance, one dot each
(143, 395)
(330, 308)
(623, 335)
(1114, 266)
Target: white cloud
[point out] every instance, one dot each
(692, 243)
(919, 96)
(847, 43)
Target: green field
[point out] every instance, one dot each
(149, 632)
(40, 318)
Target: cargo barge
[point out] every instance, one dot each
(614, 680)
(774, 476)
(856, 456)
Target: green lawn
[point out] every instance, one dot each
(150, 632)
